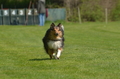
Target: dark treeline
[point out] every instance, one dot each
(91, 10)
(25, 3)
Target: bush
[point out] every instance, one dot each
(15, 3)
(92, 13)
(115, 14)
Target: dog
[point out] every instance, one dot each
(53, 40)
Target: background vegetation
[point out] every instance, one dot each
(91, 10)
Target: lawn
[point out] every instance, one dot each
(92, 51)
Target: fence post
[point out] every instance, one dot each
(106, 15)
(6, 17)
(1, 14)
(79, 15)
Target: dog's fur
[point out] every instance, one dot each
(54, 41)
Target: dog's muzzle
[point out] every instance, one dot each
(56, 34)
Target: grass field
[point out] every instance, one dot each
(92, 51)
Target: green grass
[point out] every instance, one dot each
(92, 51)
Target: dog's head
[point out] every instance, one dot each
(56, 32)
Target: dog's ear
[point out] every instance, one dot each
(52, 26)
(61, 26)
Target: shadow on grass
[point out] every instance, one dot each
(36, 59)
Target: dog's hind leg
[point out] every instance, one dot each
(50, 56)
(50, 52)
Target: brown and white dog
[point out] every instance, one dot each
(54, 41)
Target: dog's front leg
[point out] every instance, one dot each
(54, 55)
(59, 53)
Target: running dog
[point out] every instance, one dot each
(53, 40)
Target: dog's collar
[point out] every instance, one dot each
(56, 40)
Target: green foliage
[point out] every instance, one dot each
(73, 18)
(15, 3)
(92, 12)
(54, 3)
(91, 52)
(25, 3)
(115, 13)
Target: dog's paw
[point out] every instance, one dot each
(58, 58)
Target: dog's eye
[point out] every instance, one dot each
(60, 29)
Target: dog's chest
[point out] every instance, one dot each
(54, 44)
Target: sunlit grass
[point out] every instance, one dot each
(91, 52)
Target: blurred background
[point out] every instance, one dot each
(89, 10)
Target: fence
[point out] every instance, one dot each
(28, 16)
(0, 17)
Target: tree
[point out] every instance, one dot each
(71, 6)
